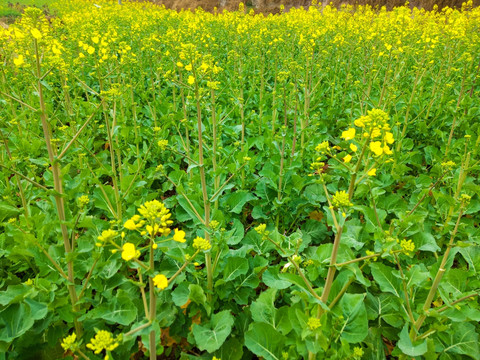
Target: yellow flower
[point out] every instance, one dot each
(376, 147)
(156, 211)
(162, 144)
(201, 244)
(188, 67)
(69, 342)
(103, 341)
(387, 150)
(191, 80)
(83, 201)
(353, 147)
(129, 252)
(90, 50)
(179, 236)
(313, 323)
(372, 172)
(407, 246)
(95, 39)
(107, 235)
(347, 158)
(389, 138)
(357, 352)
(160, 281)
(322, 148)
(348, 134)
(134, 223)
(153, 230)
(179, 64)
(19, 61)
(341, 199)
(36, 34)
(360, 122)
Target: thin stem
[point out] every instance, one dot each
(439, 275)
(58, 186)
(446, 307)
(87, 279)
(405, 290)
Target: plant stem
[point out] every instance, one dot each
(439, 275)
(57, 184)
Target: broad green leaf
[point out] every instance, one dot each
(425, 241)
(232, 349)
(462, 339)
(211, 336)
(383, 275)
(355, 326)
(119, 310)
(264, 341)
(238, 199)
(235, 267)
(410, 348)
(180, 294)
(271, 279)
(263, 309)
(15, 294)
(7, 211)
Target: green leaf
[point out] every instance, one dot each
(383, 275)
(119, 310)
(17, 319)
(409, 348)
(214, 334)
(238, 199)
(7, 211)
(461, 339)
(271, 279)
(235, 267)
(355, 327)
(15, 294)
(232, 349)
(263, 309)
(264, 341)
(425, 241)
(180, 294)
(197, 295)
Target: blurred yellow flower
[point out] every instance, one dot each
(179, 236)
(160, 281)
(129, 252)
(348, 134)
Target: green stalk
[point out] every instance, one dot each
(438, 277)
(206, 203)
(153, 306)
(58, 187)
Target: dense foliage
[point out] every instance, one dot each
(233, 186)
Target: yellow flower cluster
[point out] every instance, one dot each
(70, 343)
(83, 201)
(407, 246)
(107, 235)
(162, 144)
(376, 126)
(134, 223)
(103, 340)
(341, 199)
(313, 323)
(201, 244)
(158, 216)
